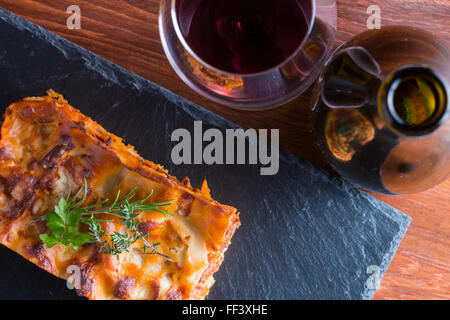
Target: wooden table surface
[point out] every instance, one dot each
(126, 32)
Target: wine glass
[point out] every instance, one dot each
(248, 54)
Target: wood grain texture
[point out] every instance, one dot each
(126, 32)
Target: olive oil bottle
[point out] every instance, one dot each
(382, 120)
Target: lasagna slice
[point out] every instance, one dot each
(48, 149)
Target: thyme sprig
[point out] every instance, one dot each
(64, 222)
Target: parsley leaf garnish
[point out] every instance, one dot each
(64, 223)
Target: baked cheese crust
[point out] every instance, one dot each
(47, 149)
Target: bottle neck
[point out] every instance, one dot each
(414, 101)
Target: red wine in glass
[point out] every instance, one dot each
(248, 54)
(243, 36)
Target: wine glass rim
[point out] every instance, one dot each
(209, 66)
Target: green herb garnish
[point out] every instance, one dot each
(64, 222)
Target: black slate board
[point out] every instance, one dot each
(304, 234)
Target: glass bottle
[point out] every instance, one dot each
(382, 120)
